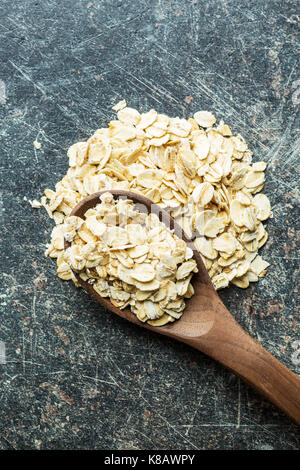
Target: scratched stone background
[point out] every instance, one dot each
(76, 376)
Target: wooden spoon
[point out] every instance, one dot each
(208, 326)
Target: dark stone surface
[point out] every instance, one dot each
(78, 377)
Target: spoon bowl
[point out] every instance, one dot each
(207, 325)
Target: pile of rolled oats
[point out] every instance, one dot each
(193, 168)
(132, 258)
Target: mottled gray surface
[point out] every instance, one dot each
(77, 376)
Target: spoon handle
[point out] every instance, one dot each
(230, 345)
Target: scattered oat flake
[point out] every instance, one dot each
(120, 105)
(35, 204)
